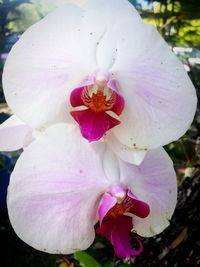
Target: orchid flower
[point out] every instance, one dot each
(63, 185)
(100, 67)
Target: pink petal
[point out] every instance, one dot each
(117, 191)
(14, 134)
(119, 103)
(75, 97)
(138, 207)
(107, 202)
(117, 232)
(54, 191)
(94, 125)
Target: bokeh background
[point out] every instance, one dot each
(179, 24)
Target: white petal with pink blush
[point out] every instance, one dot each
(61, 186)
(103, 69)
(15, 134)
(54, 192)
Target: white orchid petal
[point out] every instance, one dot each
(14, 134)
(111, 166)
(160, 98)
(46, 64)
(110, 17)
(132, 155)
(54, 192)
(154, 182)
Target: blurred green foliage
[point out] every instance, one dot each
(9, 13)
(177, 21)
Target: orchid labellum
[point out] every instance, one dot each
(100, 67)
(58, 193)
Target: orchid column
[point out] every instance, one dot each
(95, 92)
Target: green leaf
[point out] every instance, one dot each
(85, 259)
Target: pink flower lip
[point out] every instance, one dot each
(116, 220)
(98, 98)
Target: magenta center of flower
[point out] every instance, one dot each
(116, 222)
(98, 98)
(120, 209)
